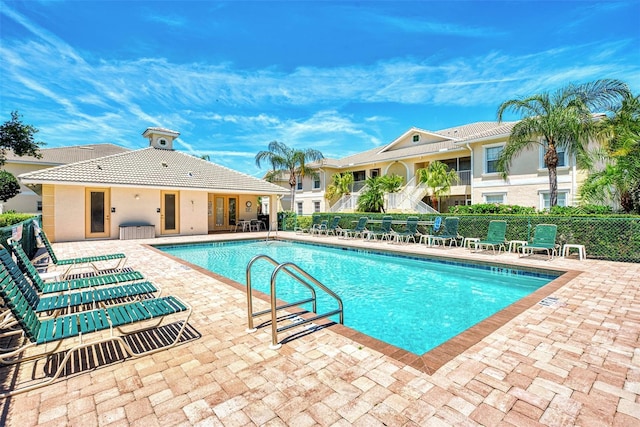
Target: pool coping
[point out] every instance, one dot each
(437, 357)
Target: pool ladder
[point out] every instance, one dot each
(303, 278)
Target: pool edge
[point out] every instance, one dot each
(437, 357)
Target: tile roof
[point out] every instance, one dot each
(452, 139)
(155, 168)
(64, 155)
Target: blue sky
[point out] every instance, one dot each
(340, 77)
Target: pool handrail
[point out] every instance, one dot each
(286, 267)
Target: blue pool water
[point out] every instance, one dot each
(412, 303)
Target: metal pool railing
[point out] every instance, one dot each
(301, 277)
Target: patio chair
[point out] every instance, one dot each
(435, 228)
(495, 237)
(317, 230)
(385, 232)
(74, 263)
(54, 303)
(447, 233)
(81, 326)
(359, 230)
(410, 231)
(333, 228)
(67, 285)
(544, 239)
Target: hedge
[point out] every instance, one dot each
(612, 238)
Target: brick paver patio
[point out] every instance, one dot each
(575, 362)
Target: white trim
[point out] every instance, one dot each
(562, 179)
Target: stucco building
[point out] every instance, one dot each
(471, 150)
(171, 192)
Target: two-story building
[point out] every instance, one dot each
(471, 150)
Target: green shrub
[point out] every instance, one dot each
(10, 218)
(581, 210)
(491, 208)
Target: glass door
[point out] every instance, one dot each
(97, 212)
(169, 212)
(226, 213)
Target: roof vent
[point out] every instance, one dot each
(165, 164)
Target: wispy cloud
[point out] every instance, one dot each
(173, 20)
(236, 111)
(416, 25)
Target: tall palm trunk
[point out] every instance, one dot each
(551, 162)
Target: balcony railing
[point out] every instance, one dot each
(464, 178)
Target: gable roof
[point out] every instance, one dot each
(449, 139)
(156, 168)
(64, 155)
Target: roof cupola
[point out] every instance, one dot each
(160, 137)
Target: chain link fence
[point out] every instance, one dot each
(612, 238)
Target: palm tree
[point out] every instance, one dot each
(621, 175)
(372, 197)
(284, 159)
(562, 120)
(439, 179)
(342, 185)
(391, 183)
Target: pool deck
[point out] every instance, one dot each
(573, 361)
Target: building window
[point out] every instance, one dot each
(491, 154)
(299, 208)
(299, 185)
(494, 198)
(416, 138)
(545, 197)
(316, 206)
(316, 183)
(359, 176)
(562, 157)
(39, 205)
(374, 173)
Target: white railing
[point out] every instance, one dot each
(348, 202)
(410, 199)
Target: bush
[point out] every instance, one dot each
(491, 208)
(580, 210)
(10, 218)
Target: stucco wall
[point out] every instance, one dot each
(27, 200)
(193, 213)
(69, 214)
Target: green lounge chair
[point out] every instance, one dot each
(55, 303)
(80, 326)
(544, 239)
(333, 228)
(67, 285)
(322, 226)
(448, 232)
(76, 263)
(410, 231)
(359, 230)
(385, 232)
(495, 237)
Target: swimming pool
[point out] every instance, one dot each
(410, 302)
